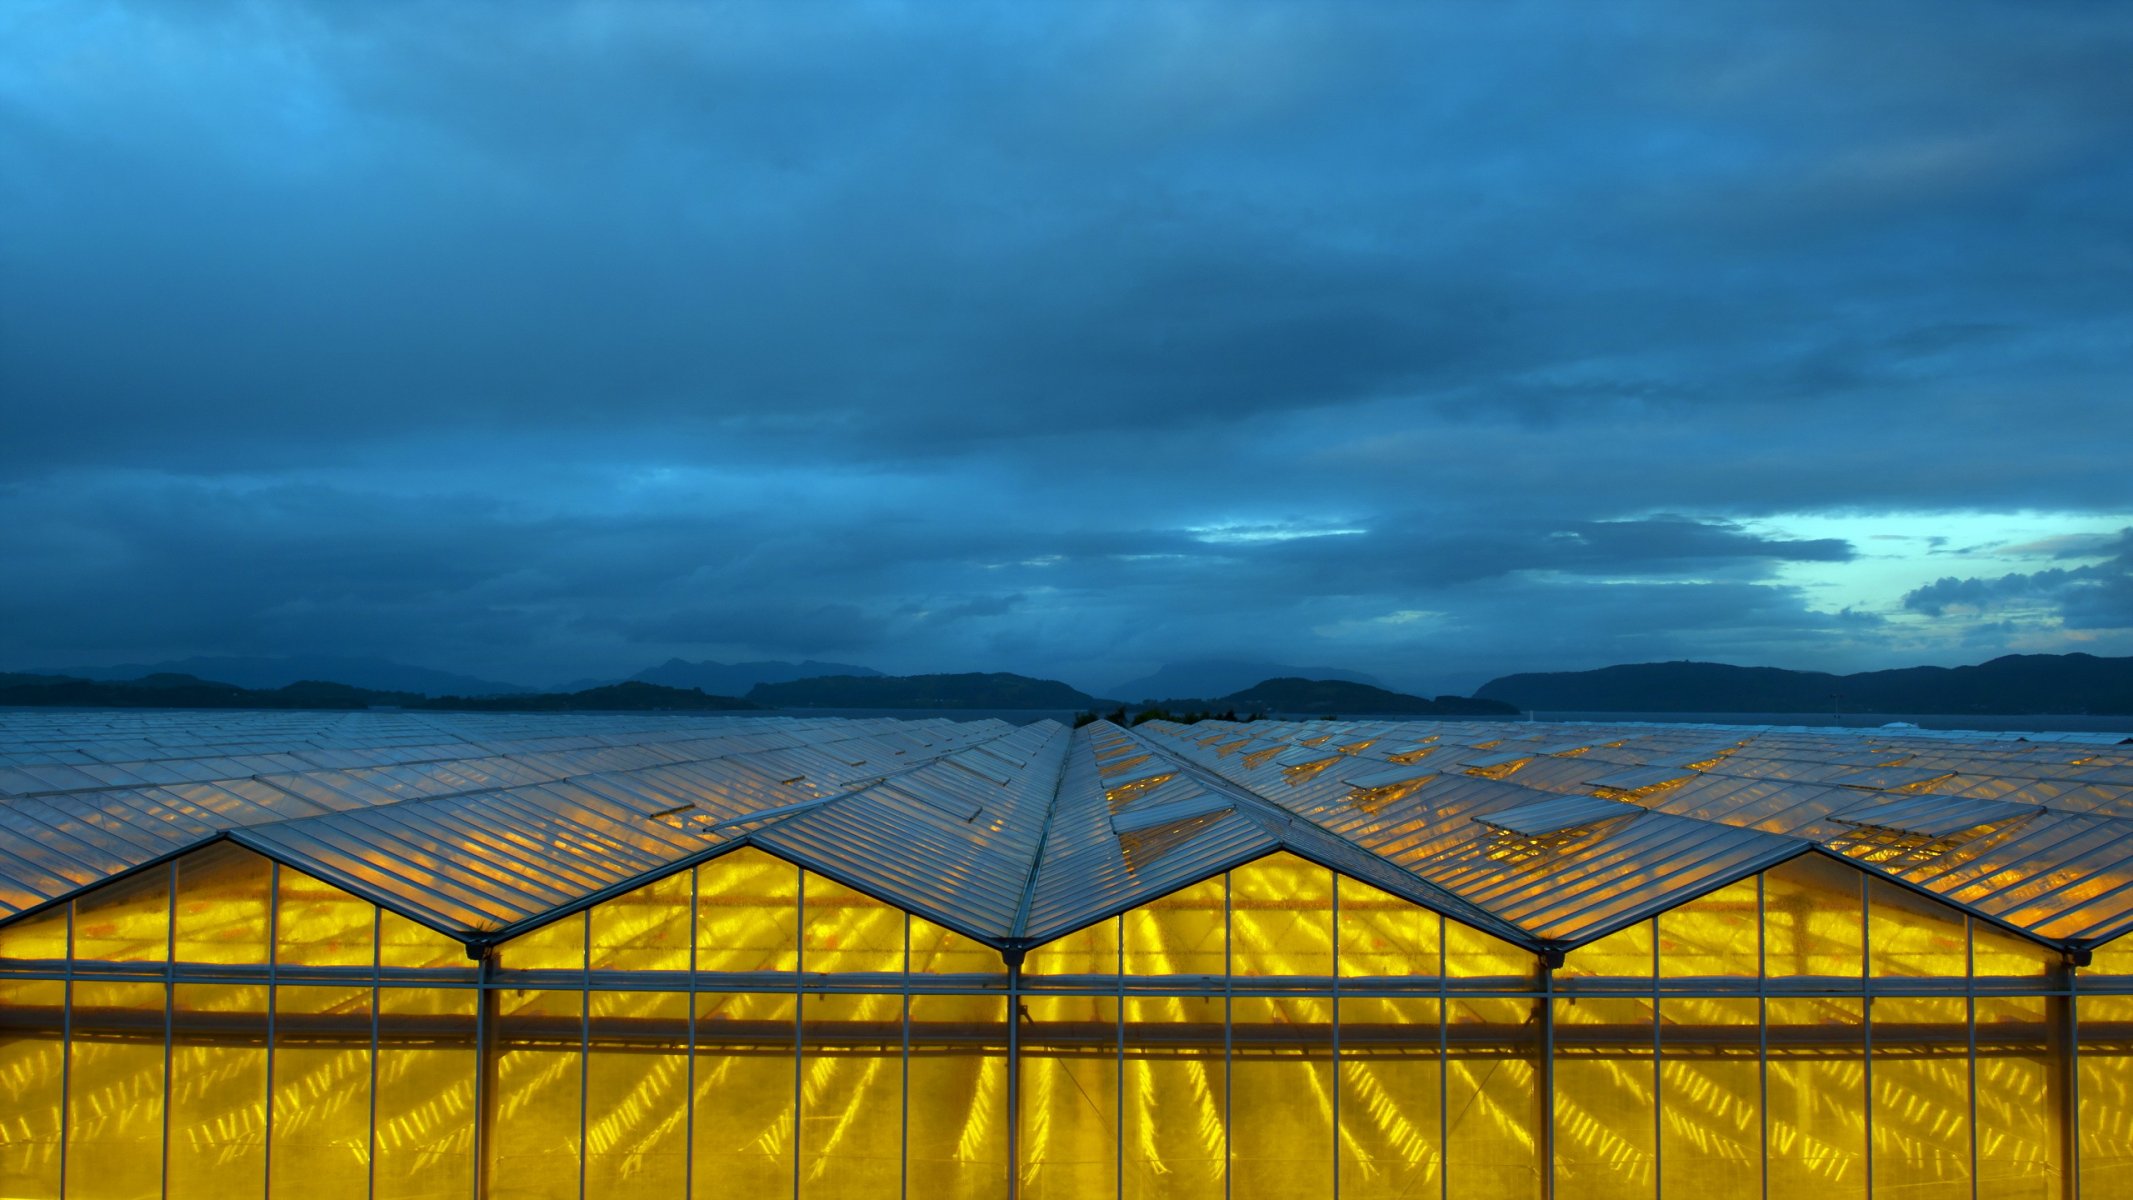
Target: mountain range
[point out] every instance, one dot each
(2017, 684)
(1223, 676)
(266, 674)
(735, 679)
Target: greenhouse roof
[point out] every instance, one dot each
(485, 825)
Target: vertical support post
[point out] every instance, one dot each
(66, 1055)
(1014, 1072)
(2063, 1080)
(584, 920)
(1762, 1035)
(170, 992)
(377, 999)
(1866, 1020)
(1544, 1102)
(485, 1075)
(266, 1166)
(903, 1089)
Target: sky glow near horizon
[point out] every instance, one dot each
(545, 342)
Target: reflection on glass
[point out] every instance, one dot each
(1070, 1082)
(1174, 1123)
(321, 1139)
(1391, 1098)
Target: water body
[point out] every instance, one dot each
(2042, 723)
(2032, 723)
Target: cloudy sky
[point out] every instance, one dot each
(542, 341)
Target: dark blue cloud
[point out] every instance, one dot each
(534, 340)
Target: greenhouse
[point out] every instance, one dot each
(396, 955)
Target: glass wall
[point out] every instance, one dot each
(221, 1026)
(1277, 1033)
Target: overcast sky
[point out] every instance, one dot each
(1437, 340)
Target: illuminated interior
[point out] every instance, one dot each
(1342, 994)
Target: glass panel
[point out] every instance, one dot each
(1716, 934)
(646, 929)
(33, 1053)
(1391, 1097)
(116, 1088)
(556, 946)
(851, 1083)
(637, 1091)
(407, 945)
(1909, 934)
(1816, 1076)
(844, 931)
(1606, 1132)
(956, 1147)
(936, 950)
(1070, 1079)
(319, 925)
(1382, 935)
(1624, 954)
(1492, 1102)
(1921, 1096)
(2021, 1090)
(1178, 934)
(2112, 958)
(747, 913)
(1089, 951)
(218, 1084)
(427, 1063)
(1172, 1131)
(1281, 1095)
(1996, 952)
(742, 1144)
(224, 893)
(539, 1086)
(43, 936)
(1813, 924)
(321, 1139)
(1710, 1095)
(2106, 1085)
(1281, 918)
(127, 921)
(1471, 954)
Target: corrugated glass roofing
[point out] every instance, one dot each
(482, 826)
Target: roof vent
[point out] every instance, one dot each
(1911, 832)
(992, 775)
(1126, 790)
(704, 825)
(1376, 789)
(1531, 830)
(1637, 783)
(1891, 779)
(1498, 766)
(1123, 764)
(1205, 806)
(1149, 833)
(1299, 765)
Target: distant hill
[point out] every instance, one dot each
(921, 691)
(1340, 696)
(168, 689)
(734, 679)
(2017, 684)
(630, 696)
(171, 690)
(1221, 676)
(256, 673)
